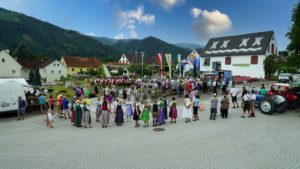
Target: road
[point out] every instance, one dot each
(264, 142)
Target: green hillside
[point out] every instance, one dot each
(44, 39)
(151, 46)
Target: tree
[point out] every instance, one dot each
(92, 72)
(37, 78)
(294, 31)
(101, 71)
(22, 51)
(270, 65)
(31, 77)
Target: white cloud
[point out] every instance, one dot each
(120, 36)
(131, 17)
(211, 23)
(167, 4)
(91, 34)
(133, 34)
(129, 20)
(196, 12)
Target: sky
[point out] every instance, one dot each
(189, 21)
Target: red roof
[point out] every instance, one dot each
(30, 63)
(86, 62)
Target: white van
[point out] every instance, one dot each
(10, 90)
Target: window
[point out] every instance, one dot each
(3, 60)
(228, 60)
(57, 64)
(206, 62)
(254, 60)
(80, 69)
(54, 64)
(72, 69)
(273, 48)
(13, 72)
(59, 72)
(52, 72)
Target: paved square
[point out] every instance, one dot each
(262, 142)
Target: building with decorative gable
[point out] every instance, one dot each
(242, 54)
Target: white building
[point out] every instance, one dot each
(52, 70)
(9, 67)
(242, 54)
(124, 59)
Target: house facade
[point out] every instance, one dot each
(52, 70)
(242, 54)
(9, 67)
(124, 59)
(76, 65)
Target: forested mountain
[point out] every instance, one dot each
(151, 46)
(45, 39)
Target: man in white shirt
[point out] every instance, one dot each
(234, 92)
(247, 104)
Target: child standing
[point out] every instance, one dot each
(173, 111)
(50, 118)
(154, 112)
(145, 115)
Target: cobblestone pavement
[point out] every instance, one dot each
(264, 142)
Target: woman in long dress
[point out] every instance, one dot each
(86, 116)
(145, 115)
(128, 109)
(78, 114)
(119, 120)
(161, 115)
(154, 112)
(136, 114)
(104, 114)
(187, 109)
(173, 111)
(98, 109)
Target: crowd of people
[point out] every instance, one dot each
(129, 104)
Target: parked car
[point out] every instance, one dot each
(296, 77)
(284, 77)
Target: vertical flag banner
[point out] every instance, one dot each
(198, 63)
(179, 65)
(169, 62)
(159, 61)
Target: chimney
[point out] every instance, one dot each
(7, 50)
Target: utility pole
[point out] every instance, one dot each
(142, 53)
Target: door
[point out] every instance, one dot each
(216, 66)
